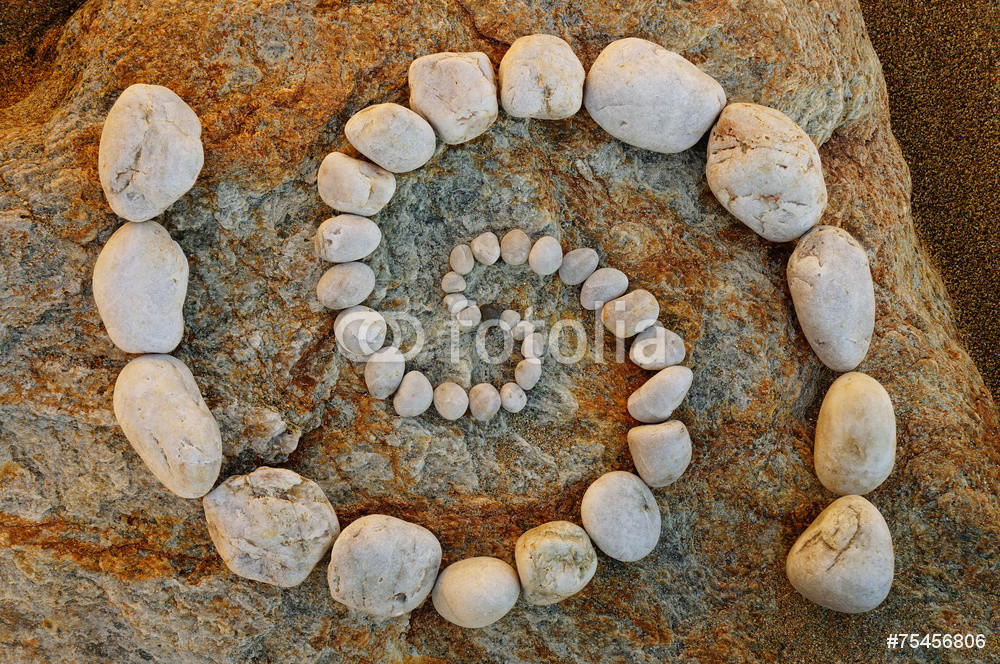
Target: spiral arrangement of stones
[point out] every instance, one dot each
(274, 526)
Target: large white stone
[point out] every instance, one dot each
(602, 286)
(661, 452)
(657, 348)
(345, 285)
(360, 331)
(384, 371)
(476, 592)
(541, 77)
(621, 516)
(456, 93)
(554, 561)
(354, 186)
(347, 238)
(392, 136)
(630, 314)
(414, 395)
(657, 398)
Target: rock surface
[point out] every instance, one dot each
(87, 535)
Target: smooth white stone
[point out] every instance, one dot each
(383, 565)
(484, 402)
(661, 452)
(470, 316)
(528, 372)
(461, 259)
(844, 560)
(455, 302)
(476, 592)
(831, 286)
(621, 516)
(354, 186)
(150, 153)
(630, 314)
(766, 171)
(660, 395)
(161, 411)
(272, 525)
(345, 285)
(515, 247)
(522, 329)
(512, 398)
(414, 395)
(384, 371)
(541, 77)
(450, 400)
(533, 345)
(577, 265)
(545, 256)
(657, 348)
(140, 280)
(453, 282)
(347, 238)
(649, 97)
(510, 318)
(602, 286)
(554, 561)
(486, 248)
(855, 435)
(456, 93)
(360, 331)
(392, 136)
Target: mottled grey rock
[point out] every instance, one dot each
(345, 285)
(515, 247)
(554, 561)
(347, 238)
(577, 265)
(456, 93)
(630, 314)
(602, 286)
(661, 452)
(486, 248)
(528, 372)
(545, 256)
(360, 331)
(657, 348)
(476, 592)
(512, 398)
(414, 395)
(354, 186)
(461, 259)
(621, 516)
(660, 395)
(450, 400)
(541, 77)
(384, 371)
(392, 136)
(484, 402)
(272, 525)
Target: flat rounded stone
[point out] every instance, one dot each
(844, 560)
(360, 331)
(453, 282)
(510, 318)
(657, 348)
(630, 314)
(486, 248)
(831, 286)
(345, 285)
(470, 316)
(384, 371)
(541, 77)
(456, 93)
(528, 372)
(621, 516)
(450, 400)
(545, 256)
(354, 186)
(554, 561)
(140, 281)
(461, 259)
(522, 329)
(161, 411)
(766, 171)
(512, 398)
(577, 265)
(515, 247)
(484, 402)
(661, 452)
(855, 435)
(455, 302)
(272, 525)
(346, 238)
(533, 345)
(392, 136)
(383, 565)
(649, 97)
(414, 395)
(150, 153)
(602, 286)
(476, 592)
(660, 395)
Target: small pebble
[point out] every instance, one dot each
(554, 561)
(383, 565)
(660, 395)
(621, 516)
(450, 400)
(453, 282)
(661, 452)
(522, 329)
(360, 331)
(384, 371)
(486, 248)
(541, 77)
(545, 256)
(515, 247)
(577, 265)
(392, 136)
(510, 318)
(533, 345)
(470, 316)
(855, 435)
(455, 302)
(456, 93)
(484, 402)
(528, 372)
(630, 314)
(844, 560)
(512, 398)
(354, 186)
(272, 525)
(476, 592)
(602, 286)
(461, 259)
(347, 238)
(414, 395)
(345, 285)
(657, 348)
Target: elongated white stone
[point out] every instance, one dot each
(461, 259)
(345, 285)
(621, 516)
(456, 93)
(545, 256)
(515, 247)
(476, 592)
(450, 400)
(414, 395)
(541, 77)
(630, 314)
(661, 452)
(577, 265)
(354, 186)
(554, 561)
(455, 302)
(384, 371)
(660, 395)
(657, 348)
(392, 136)
(347, 238)
(602, 286)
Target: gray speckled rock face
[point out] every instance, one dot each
(150, 153)
(383, 565)
(456, 93)
(541, 77)
(621, 516)
(272, 525)
(554, 561)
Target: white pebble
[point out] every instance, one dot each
(630, 314)
(515, 247)
(347, 238)
(554, 561)
(461, 259)
(453, 282)
(414, 395)
(470, 316)
(656, 348)
(621, 516)
(345, 285)
(392, 136)
(602, 286)
(510, 318)
(661, 452)
(660, 395)
(522, 329)
(456, 93)
(545, 256)
(354, 186)
(577, 265)
(512, 398)
(528, 372)
(533, 345)
(486, 248)
(450, 400)
(484, 402)
(384, 371)
(455, 302)
(476, 592)
(360, 331)
(541, 77)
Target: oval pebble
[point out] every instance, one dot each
(602, 286)
(384, 371)
(161, 411)
(461, 259)
(533, 345)
(522, 329)
(515, 247)
(545, 256)
(455, 302)
(354, 186)
(140, 281)
(657, 348)
(528, 372)
(541, 77)
(450, 400)
(470, 316)
(661, 452)
(855, 435)
(345, 285)
(456, 93)
(831, 286)
(660, 395)
(577, 265)
(383, 565)
(554, 561)
(630, 314)
(510, 318)
(392, 136)
(484, 402)
(476, 592)
(621, 516)
(512, 398)
(453, 282)
(347, 238)
(486, 248)
(360, 331)
(150, 152)
(649, 97)
(272, 525)
(414, 395)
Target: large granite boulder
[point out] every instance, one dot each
(98, 563)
